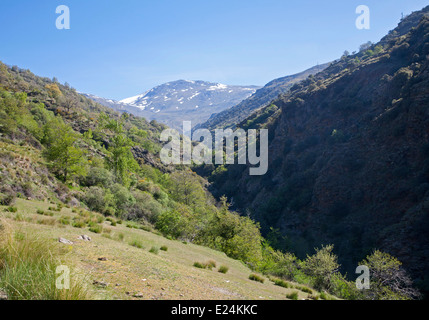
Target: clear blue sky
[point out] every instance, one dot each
(116, 49)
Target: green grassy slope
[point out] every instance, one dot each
(136, 273)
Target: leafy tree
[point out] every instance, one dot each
(321, 267)
(365, 46)
(187, 189)
(388, 280)
(66, 159)
(53, 90)
(121, 159)
(69, 102)
(239, 237)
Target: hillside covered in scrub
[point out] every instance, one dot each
(349, 160)
(70, 166)
(348, 176)
(59, 145)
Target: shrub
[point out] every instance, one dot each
(99, 177)
(255, 277)
(136, 243)
(389, 281)
(144, 207)
(321, 267)
(39, 211)
(223, 269)
(12, 209)
(121, 236)
(323, 296)
(28, 270)
(65, 220)
(304, 289)
(282, 283)
(154, 250)
(211, 264)
(78, 224)
(96, 228)
(96, 199)
(164, 248)
(293, 295)
(199, 265)
(7, 200)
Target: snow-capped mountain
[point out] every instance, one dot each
(183, 100)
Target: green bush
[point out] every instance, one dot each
(293, 295)
(199, 265)
(96, 228)
(321, 267)
(97, 199)
(164, 248)
(28, 271)
(304, 289)
(78, 224)
(136, 243)
(255, 277)
(282, 283)
(65, 220)
(99, 177)
(223, 269)
(7, 199)
(154, 250)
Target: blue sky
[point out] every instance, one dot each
(117, 49)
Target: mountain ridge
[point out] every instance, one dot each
(173, 102)
(259, 99)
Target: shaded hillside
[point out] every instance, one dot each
(349, 156)
(230, 117)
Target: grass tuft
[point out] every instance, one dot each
(223, 269)
(282, 283)
(293, 295)
(136, 243)
(28, 269)
(255, 277)
(154, 250)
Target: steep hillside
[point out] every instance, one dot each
(118, 262)
(348, 156)
(262, 97)
(183, 100)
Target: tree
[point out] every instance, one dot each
(239, 237)
(66, 159)
(187, 189)
(69, 102)
(365, 46)
(388, 280)
(53, 90)
(121, 159)
(321, 267)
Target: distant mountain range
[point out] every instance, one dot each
(183, 100)
(263, 96)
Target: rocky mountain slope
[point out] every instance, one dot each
(348, 152)
(183, 100)
(263, 96)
